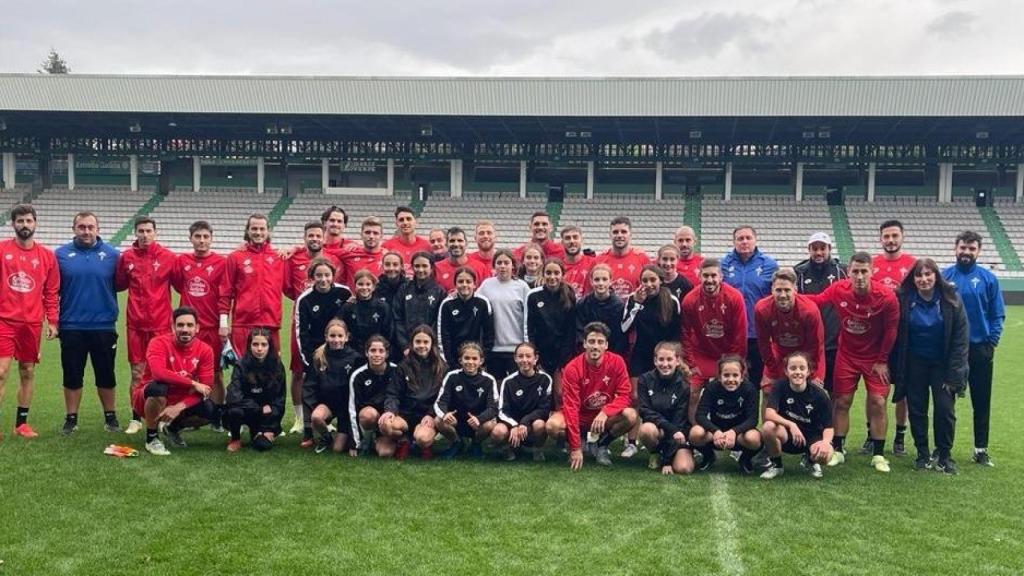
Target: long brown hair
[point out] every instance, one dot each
(942, 286)
(411, 364)
(566, 295)
(666, 302)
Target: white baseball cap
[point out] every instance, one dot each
(819, 237)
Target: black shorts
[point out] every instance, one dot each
(78, 346)
(789, 448)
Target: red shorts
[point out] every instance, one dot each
(240, 338)
(848, 372)
(138, 341)
(20, 341)
(295, 363)
(708, 370)
(212, 339)
(138, 399)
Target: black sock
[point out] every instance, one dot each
(629, 442)
(838, 442)
(901, 432)
(21, 416)
(71, 417)
(109, 416)
(747, 453)
(150, 434)
(878, 446)
(236, 432)
(136, 416)
(218, 413)
(868, 428)
(307, 433)
(605, 440)
(777, 461)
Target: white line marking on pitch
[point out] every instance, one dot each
(725, 526)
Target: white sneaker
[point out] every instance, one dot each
(878, 462)
(134, 427)
(630, 450)
(773, 471)
(816, 471)
(296, 427)
(838, 457)
(156, 448)
(603, 456)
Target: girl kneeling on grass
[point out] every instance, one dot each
(663, 400)
(727, 415)
(798, 419)
(410, 400)
(524, 404)
(467, 404)
(255, 396)
(366, 395)
(325, 391)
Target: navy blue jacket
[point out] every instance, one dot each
(88, 300)
(752, 278)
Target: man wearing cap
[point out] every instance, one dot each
(814, 275)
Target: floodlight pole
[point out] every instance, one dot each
(71, 171)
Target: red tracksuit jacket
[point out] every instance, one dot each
(867, 324)
(146, 274)
(297, 268)
(254, 279)
(31, 286)
(781, 333)
(177, 366)
(197, 281)
(713, 326)
(588, 389)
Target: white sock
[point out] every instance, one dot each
(980, 450)
(298, 412)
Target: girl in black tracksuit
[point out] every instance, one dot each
(550, 320)
(409, 404)
(367, 315)
(315, 307)
(467, 403)
(653, 313)
(325, 389)
(367, 393)
(726, 416)
(417, 301)
(602, 305)
(391, 279)
(255, 396)
(663, 399)
(524, 405)
(464, 317)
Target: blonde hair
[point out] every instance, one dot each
(320, 354)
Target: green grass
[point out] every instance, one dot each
(68, 509)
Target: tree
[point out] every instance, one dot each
(54, 64)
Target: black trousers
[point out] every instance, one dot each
(830, 369)
(500, 365)
(77, 346)
(979, 360)
(755, 364)
(251, 414)
(925, 377)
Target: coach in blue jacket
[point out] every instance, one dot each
(750, 271)
(88, 313)
(983, 301)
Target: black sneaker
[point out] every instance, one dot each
(708, 461)
(174, 437)
(982, 459)
(761, 459)
(746, 464)
(867, 448)
(899, 447)
(923, 461)
(324, 443)
(69, 427)
(112, 425)
(947, 466)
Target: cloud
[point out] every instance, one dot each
(708, 35)
(952, 25)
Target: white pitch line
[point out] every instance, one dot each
(725, 526)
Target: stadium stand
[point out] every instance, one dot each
(509, 213)
(224, 208)
(1011, 214)
(310, 204)
(930, 227)
(782, 224)
(8, 198)
(654, 221)
(113, 205)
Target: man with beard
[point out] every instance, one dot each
(197, 278)
(869, 318)
(334, 220)
(813, 276)
(298, 281)
(625, 262)
(405, 241)
(787, 322)
(445, 269)
(368, 256)
(983, 302)
(144, 271)
(750, 271)
(689, 261)
(88, 313)
(176, 383)
(890, 268)
(32, 283)
(577, 263)
(485, 238)
(540, 234)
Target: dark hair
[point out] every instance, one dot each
(784, 274)
(377, 338)
(711, 263)
(566, 295)
(85, 214)
(967, 237)
(140, 220)
(312, 224)
(465, 270)
(402, 209)
(248, 222)
(890, 224)
(727, 358)
(318, 262)
(22, 210)
(800, 354)
(944, 288)
(570, 228)
(426, 256)
(540, 213)
(200, 225)
(266, 333)
(412, 367)
(529, 345)
(666, 305)
(504, 252)
(599, 327)
(622, 220)
(454, 230)
(398, 255)
(184, 311)
(334, 208)
(861, 257)
(744, 227)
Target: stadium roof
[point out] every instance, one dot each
(950, 96)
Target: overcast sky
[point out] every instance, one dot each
(522, 38)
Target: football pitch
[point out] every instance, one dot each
(69, 509)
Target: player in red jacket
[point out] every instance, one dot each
(250, 293)
(868, 318)
(625, 261)
(714, 323)
(31, 288)
(368, 256)
(596, 399)
(540, 234)
(144, 271)
(788, 322)
(405, 241)
(444, 270)
(176, 383)
(197, 278)
(689, 261)
(485, 237)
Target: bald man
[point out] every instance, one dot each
(689, 260)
